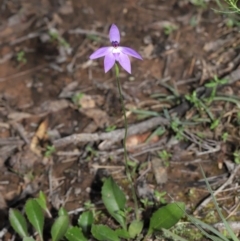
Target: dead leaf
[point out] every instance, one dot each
(159, 170)
(57, 19)
(23, 161)
(100, 117)
(87, 102)
(13, 193)
(66, 9)
(3, 204)
(90, 128)
(68, 91)
(17, 116)
(39, 136)
(54, 106)
(147, 51)
(133, 141)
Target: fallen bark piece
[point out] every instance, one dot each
(113, 136)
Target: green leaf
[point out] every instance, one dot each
(104, 233)
(223, 81)
(122, 233)
(135, 228)
(166, 217)
(18, 222)
(28, 239)
(114, 200)
(59, 227)
(62, 212)
(86, 220)
(214, 124)
(211, 84)
(35, 216)
(75, 234)
(42, 202)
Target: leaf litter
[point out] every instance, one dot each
(176, 62)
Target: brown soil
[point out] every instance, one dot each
(43, 77)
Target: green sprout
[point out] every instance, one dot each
(169, 28)
(214, 124)
(193, 99)
(77, 97)
(56, 37)
(214, 84)
(177, 127)
(92, 152)
(21, 57)
(50, 150)
(224, 137)
(236, 155)
(160, 197)
(146, 202)
(164, 155)
(110, 128)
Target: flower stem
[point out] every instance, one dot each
(124, 145)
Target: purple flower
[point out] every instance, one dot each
(115, 52)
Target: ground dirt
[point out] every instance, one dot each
(51, 93)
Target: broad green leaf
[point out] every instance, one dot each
(122, 233)
(114, 200)
(166, 217)
(62, 212)
(35, 216)
(42, 201)
(28, 239)
(59, 227)
(86, 220)
(18, 222)
(104, 233)
(135, 228)
(75, 234)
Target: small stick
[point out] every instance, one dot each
(87, 32)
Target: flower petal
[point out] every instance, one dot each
(114, 34)
(109, 61)
(130, 52)
(100, 52)
(124, 61)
